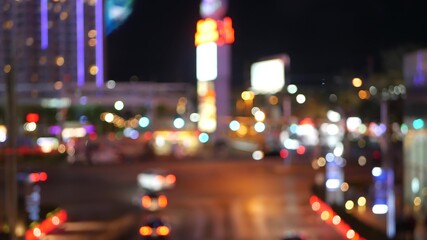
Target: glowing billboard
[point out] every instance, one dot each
(218, 31)
(268, 77)
(207, 106)
(206, 62)
(116, 12)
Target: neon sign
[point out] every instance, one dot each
(218, 31)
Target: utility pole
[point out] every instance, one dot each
(10, 167)
(11, 158)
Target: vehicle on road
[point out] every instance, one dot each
(292, 235)
(151, 201)
(154, 228)
(156, 180)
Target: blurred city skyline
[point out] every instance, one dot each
(322, 39)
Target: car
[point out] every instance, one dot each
(292, 235)
(154, 228)
(156, 180)
(153, 201)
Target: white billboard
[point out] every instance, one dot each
(268, 77)
(206, 61)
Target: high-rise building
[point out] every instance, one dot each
(48, 45)
(415, 141)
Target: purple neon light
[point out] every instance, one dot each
(99, 22)
(419, 77)
(44, 24)
(80, 42)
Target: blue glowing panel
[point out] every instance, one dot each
(116, 12)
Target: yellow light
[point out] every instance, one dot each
(93, 70)
(8, 24)
(417, 201)
(321, 162)
(91, 33)
(325, 215)
(109, 117)
(349, 205)
(7, 68)
(63, 16)
(60, 61)
(259, 116)
(357, 82)
(92, 2)
(361, 201)
(336, 220)
(206, 31)
(62, 148)
(58, 85)
(363, 94)
(242, 131)
(273, 100)
(248, 95)
(350, 234)
(91, 42)
(315, 206)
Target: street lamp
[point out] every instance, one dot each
(248, 97)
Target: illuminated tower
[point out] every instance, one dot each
(212, 39)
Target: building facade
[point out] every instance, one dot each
(47, 44)
(415, 142)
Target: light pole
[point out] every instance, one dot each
(11, 188)
(389, 167)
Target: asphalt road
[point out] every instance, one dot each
(213, 199)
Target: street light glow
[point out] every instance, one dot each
(292, 88)
(357, 82)
(301, 98)
(119, 105)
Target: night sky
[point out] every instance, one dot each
(322, 38)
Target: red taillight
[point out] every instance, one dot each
(43, 176)
(170, 179)
(162, 231)
(301, 150)
(34, 177)
(145, 231)
(37, 177)
(163, 201)
(146, 201)
(284, 153)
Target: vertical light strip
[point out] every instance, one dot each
(80, 42)
(99, 22)
(44, 24)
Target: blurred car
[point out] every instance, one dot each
(154, 227)
(293, 236)
(156, 179)
(153, 201)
